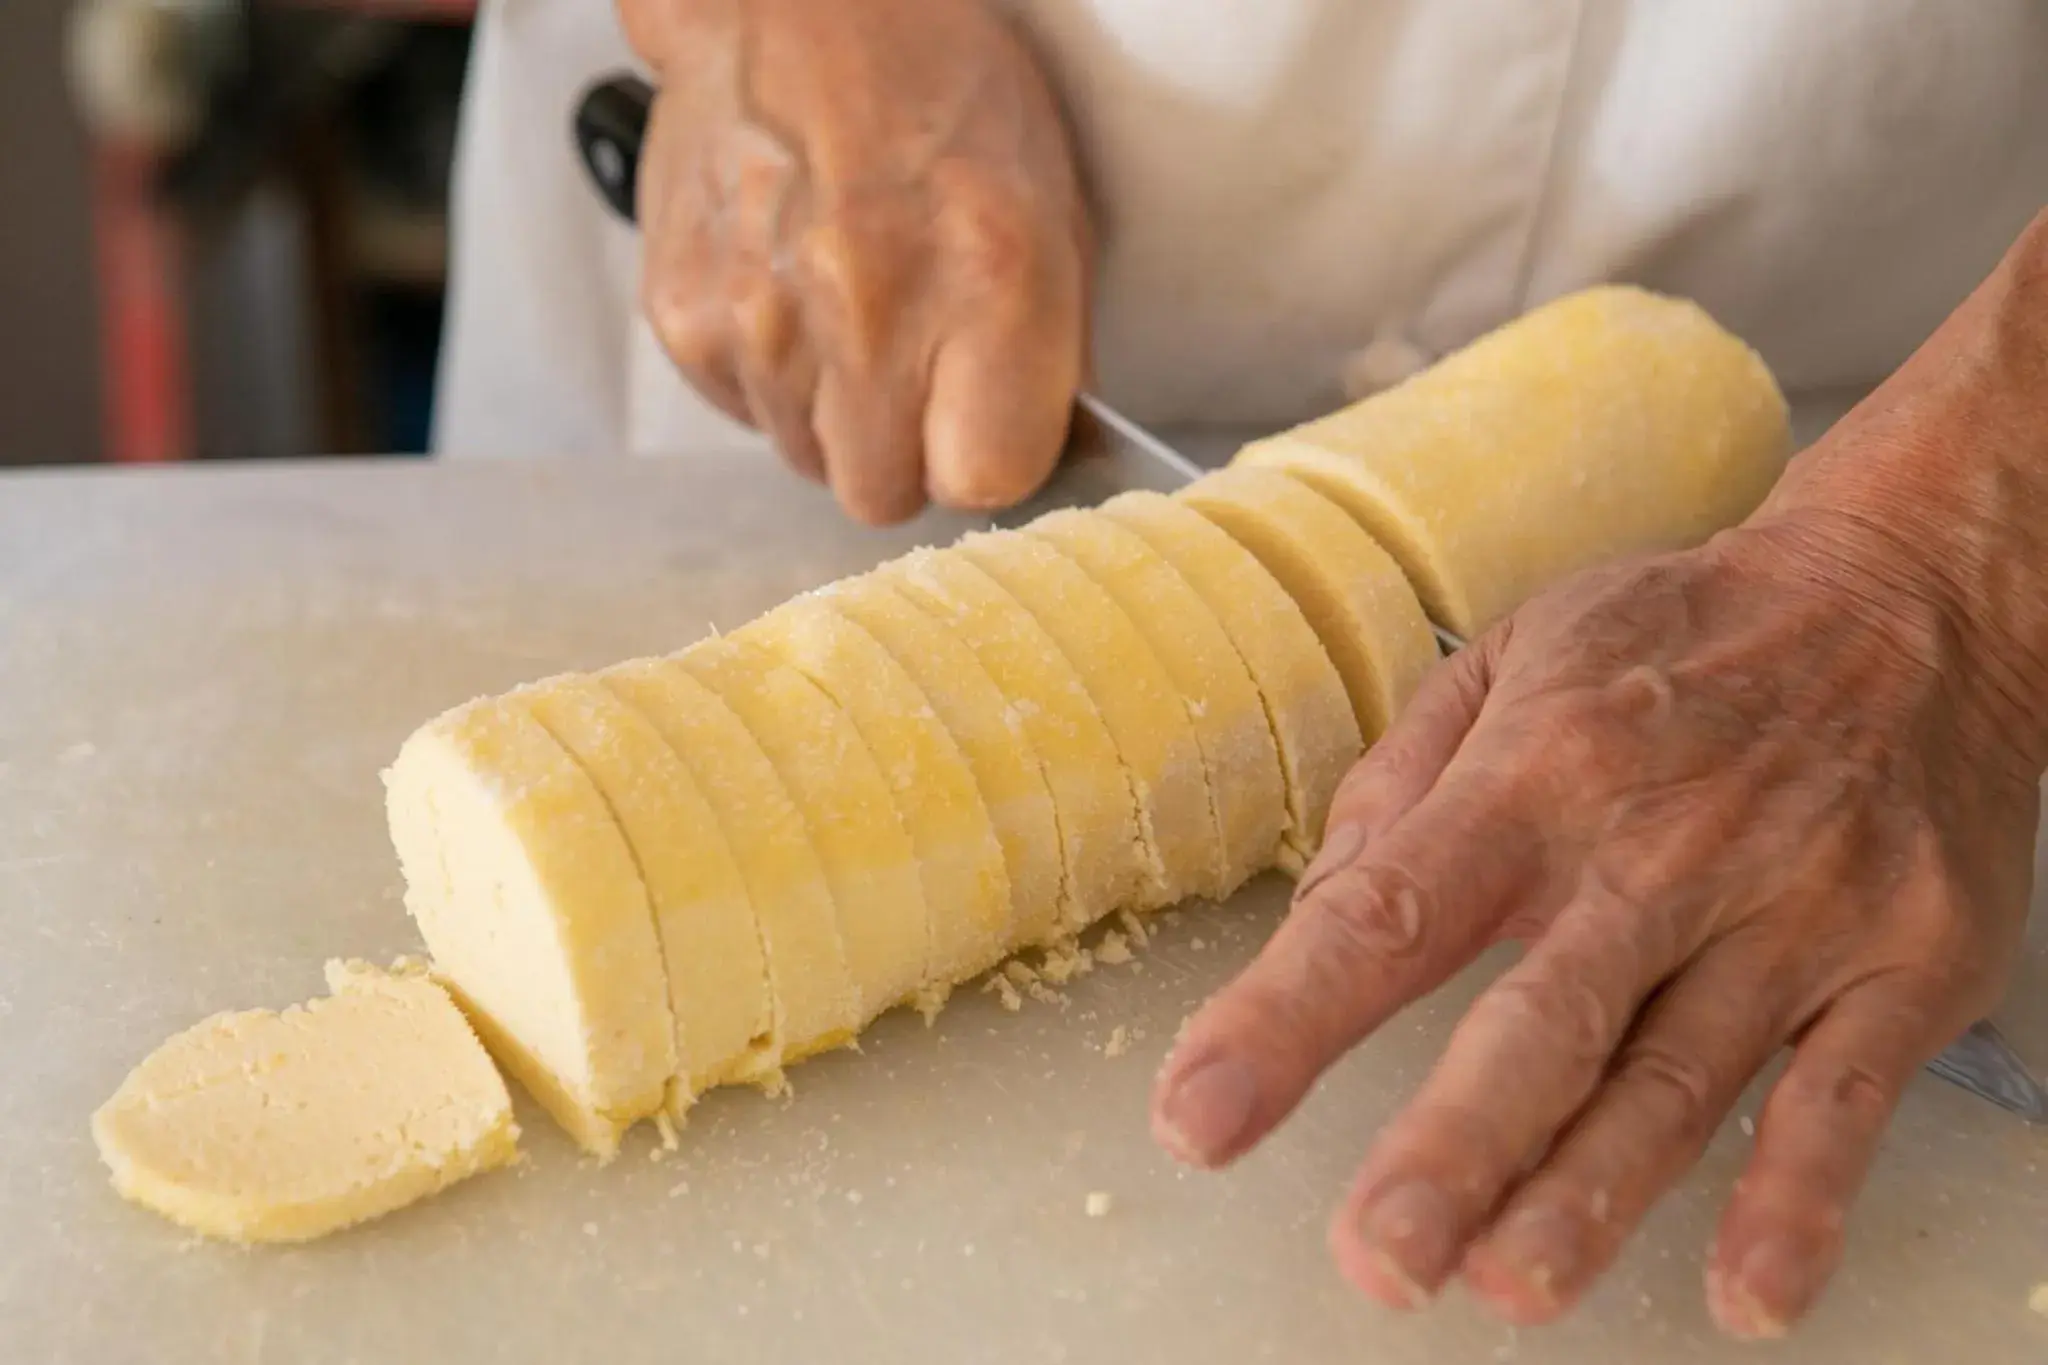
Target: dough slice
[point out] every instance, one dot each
(1097, 812)
(991, 735)
(1248, 795)
(703, 916)
(814, 1006)
(1136, 699)
(959, 862)
(1606, 422)
(867, 855)
(279, 1127)
(1351, 590)
(534, 911)
(1307, 708)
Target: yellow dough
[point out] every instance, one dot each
(1354, 595)
(959, 861)
(1606, 422)
(1248, 795)
(846, 802)
(277, 1127)
(814, 1005)
(531, 904)
(703, 917)
(991, 735)
(1097, 812)
(1134, 696)
(1307, 709)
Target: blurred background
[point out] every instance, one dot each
(223, 225)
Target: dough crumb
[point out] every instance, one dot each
(1748, 1126)
(1098, 1203)
(590, 1229)
(665, 1127)
(1007, 992)
(854, 1196)
(1114, 950)
(679, 1189)
(1119, 1042)
(2038, 1300)
(1134, 929)
(1199, 944)
(1020, 973)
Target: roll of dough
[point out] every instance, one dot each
(1609, 421)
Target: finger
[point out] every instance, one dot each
(1781, 1237)
(1524, 1059)
(779, 374)
(1003, 385)
(1372, 937)
(870, 428)
(1673, 1081)
(1399, 770)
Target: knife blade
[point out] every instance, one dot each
(1108, 453)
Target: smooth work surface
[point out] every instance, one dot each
(201, 673)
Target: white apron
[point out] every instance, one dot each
(1305, 199)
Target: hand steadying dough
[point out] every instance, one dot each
(865, 236)
(1779, 790)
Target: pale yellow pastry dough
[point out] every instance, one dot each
(1352, 592)
(1097, 812)
(814, 1005)
(1134, 696)
(992, 737)
(529, 899)
(1248, 796)
(1307, 708)
(1609, 421)
(277, 1127)
(711, 946)
(959, 861)
(847, 805)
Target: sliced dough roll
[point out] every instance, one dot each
(1306, 706)
(1248, 796)
(846, 802)
(1097, 813)
(530, 901)
(992, 737)
(710, 944)
(1134, 696)
(1351, 590)
(1606, 422)
(959, 862)
(279, 1127)
(813, 1003)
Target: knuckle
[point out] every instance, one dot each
(1676, 1086)
(992, 236)
(686, 324)
(1562, 1013)
(1837, 1092)
(1373, 913)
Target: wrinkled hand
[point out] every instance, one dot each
(865, 236)
(1731, 799)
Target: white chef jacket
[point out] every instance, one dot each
(1302, 200)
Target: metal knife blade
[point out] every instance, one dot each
(1108, 454)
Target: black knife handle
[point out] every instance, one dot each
(611, 124)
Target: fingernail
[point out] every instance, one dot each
(1771, 1288)
(1412, 1230)
(1205, 1113)
(1537, 1250)
(1341, 848)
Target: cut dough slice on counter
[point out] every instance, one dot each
(1307, 708)
(847, 805)
(1222, 702)
(531, 904)
(1135, 697)
(1352, 592)
(991, 735)
(277, 1127)
(1606, 422)
(959, 862)
(815, 1005)
(703, 916)
(1097, 812)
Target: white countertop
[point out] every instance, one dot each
(201, 672)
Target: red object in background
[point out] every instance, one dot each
(142, 322)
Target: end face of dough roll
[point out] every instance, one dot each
(1607, 422)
